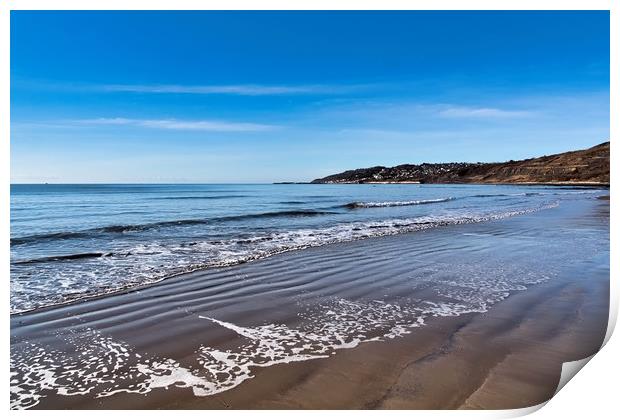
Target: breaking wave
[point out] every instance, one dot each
(370, 204)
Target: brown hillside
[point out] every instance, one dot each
(589, 166)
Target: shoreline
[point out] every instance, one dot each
(550, 184)
(462, 361)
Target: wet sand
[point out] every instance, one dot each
(143, 349)
(509, 357)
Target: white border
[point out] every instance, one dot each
(310, 5)
(592, 395)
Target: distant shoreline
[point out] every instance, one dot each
(555, 184)
(580, 167)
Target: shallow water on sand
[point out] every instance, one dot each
(210, 330)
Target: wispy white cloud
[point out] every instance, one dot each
(245, 90)
(474, 112)
(240, 89)
(173, 124)
(399, 113)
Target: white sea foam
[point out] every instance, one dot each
(100, 366)
(370, 204)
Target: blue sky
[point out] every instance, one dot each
(291, 96)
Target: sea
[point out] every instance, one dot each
(76, 242)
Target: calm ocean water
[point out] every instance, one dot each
(70, 242)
